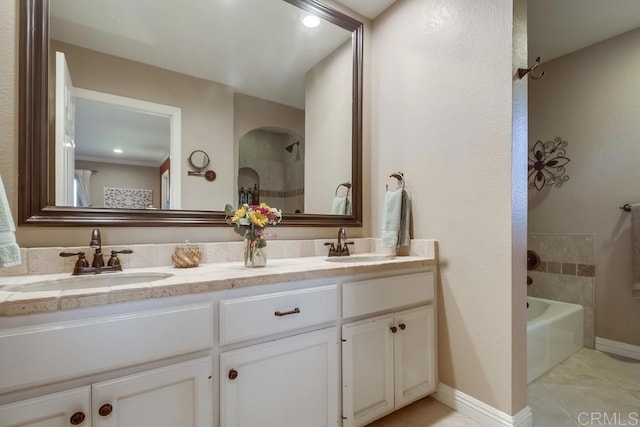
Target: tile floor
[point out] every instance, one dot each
(427, 412)
(590, 388)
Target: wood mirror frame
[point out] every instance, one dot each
(35, 191)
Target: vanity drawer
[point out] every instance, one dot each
(39, 354)
(261, 315)
(388, 293)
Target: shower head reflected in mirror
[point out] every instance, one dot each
(289, 147)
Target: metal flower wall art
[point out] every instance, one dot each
(546, 164)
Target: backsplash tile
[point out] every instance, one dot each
(48, 260)
(16, 270)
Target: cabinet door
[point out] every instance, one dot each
(175, 395)
(288, 382)
(63, 409)
(367, 370)
(414, 355)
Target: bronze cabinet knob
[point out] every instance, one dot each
(105, 410)
(402, 326)
(233, 374)
(394, 329)
(77, 418)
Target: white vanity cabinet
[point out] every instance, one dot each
(320, 352)
(290, 381)
(388, 361)
(175, 395)
(121, 357)
(67, 408)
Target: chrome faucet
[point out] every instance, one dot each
(97, 266)
(342, 247)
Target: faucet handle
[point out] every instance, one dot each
(114, 261)
(332, 248)
(80, 263)
(68, 254)
(345, 248)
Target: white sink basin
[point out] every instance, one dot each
(356, 258)
(102, 280)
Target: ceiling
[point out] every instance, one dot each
(558, 27)
(367, 8)
(258, 47)
(555, 27)
(144, 138)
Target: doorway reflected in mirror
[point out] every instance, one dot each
(271, 169)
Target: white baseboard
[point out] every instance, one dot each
(479, 411)
(619, 348)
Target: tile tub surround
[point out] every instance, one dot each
(566, 273)
(205, 278)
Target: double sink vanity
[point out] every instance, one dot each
(303, 341)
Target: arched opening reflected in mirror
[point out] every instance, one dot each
(221, 83)
(271, 169)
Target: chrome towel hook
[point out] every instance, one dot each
(524, 71)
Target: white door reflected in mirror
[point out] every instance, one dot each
(121, 153)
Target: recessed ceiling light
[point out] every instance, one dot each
(311, 21)
(117, 150)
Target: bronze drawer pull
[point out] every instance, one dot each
(105, 410)
(77, 418)
(286, 313)
(393, 329)
(233, 374)
(402, 326)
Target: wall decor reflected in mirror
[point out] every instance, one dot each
(127, 91)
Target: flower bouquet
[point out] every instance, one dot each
(250, 222)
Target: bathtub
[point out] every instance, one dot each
(554, 332)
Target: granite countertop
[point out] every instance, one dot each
(205, 278)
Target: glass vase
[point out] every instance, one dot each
(255, 253)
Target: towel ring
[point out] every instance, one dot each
(347, 185)
(400, 177)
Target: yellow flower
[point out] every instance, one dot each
(258, 219)
(239, 214)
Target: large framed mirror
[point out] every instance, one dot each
(115, 95)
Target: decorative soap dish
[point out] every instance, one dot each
(186, 255)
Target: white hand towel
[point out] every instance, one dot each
(9, 250)
(405, 220)
(391, 216)
(339, 205)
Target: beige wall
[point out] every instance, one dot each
(328, 106)
(442, 114)
(121, 176)
(590, 98)
(207, 114)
